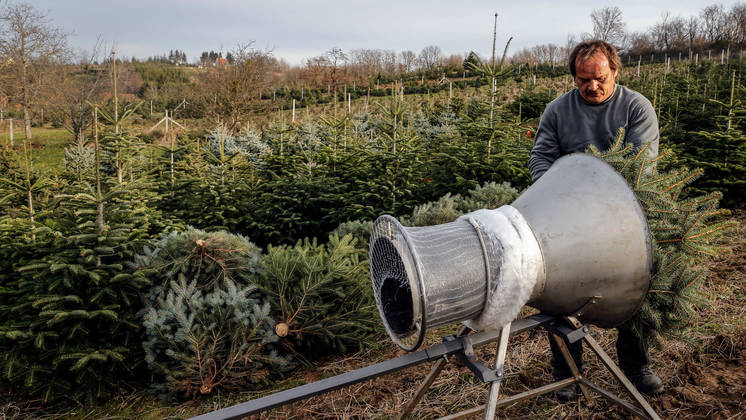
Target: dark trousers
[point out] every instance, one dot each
(631, 350)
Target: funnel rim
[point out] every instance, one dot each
(419, 320)
(648, 240)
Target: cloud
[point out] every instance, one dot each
(296, 30)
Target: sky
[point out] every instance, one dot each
(297, 30)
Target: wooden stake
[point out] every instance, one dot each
(494, 40)
(114, 82)
(638, 66)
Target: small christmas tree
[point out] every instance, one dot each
(207, 325)
(491, 195)
(69, 327)
(207, 257)
(685, 233)
(321, 295)
(198, 342)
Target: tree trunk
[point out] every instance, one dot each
(25, 99)
(31, 216)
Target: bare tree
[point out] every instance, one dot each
(430, 56)
(608, 25)
(336, 58)
(29, 44)
(692, 31)
(737, 24)
(389, 61)
(713, 23)
(365, 62)
(567, 49)
(408, 60)
(74, 87)
(662, 32)
(230, 92)
(639, 43)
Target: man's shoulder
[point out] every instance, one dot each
(632, 96)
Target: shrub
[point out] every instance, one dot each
(532, 103)
(436, 212)
(491, 195)
(360, 231)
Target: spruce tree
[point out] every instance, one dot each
(208, 257)
(437, 212)
(490, 195)
(207, 326)
(199, 340)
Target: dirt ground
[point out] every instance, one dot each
(704, 374)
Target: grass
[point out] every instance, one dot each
(47, 144)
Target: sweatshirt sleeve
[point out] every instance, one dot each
(546, 145)
(643, 126)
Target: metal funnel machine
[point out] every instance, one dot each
(575, 242)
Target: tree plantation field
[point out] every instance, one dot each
(176, 238)
(154, 273)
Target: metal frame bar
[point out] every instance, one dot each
(440, 352)
(425, 386)
(435, 352)
(532, 393)
(502, 351)
(573, 367)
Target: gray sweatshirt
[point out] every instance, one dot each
(570, 124)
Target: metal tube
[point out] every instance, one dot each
(513, 399)
(502, 350)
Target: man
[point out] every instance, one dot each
(592, 115)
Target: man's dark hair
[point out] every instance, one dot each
(585, 50)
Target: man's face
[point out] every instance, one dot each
(594, 77)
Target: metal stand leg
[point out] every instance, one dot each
(434, 372)
(573, 367)
(424, 386)
(614, 369)
(502, 350)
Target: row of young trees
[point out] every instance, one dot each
(45, 76)
(76, 274)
